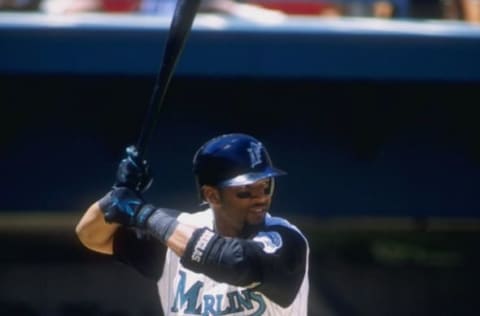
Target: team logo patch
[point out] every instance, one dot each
(255, 152)
(270, 241)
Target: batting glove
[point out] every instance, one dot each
(133, 173)
(125, 206)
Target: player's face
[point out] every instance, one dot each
(247, 204)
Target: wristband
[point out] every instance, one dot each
(161, 222)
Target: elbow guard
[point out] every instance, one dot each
(222, 259)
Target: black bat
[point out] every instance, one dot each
(180, 26)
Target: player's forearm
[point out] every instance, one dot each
(228, 260)
(164, 226)
(94, 232)
(204, 251)
(179, 239)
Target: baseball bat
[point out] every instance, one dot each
(181, 24)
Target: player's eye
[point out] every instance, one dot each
(247, 194)
(244, 195)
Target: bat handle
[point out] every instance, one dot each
(133, 154)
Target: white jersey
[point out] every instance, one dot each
(184, 292)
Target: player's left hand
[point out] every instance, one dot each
(133, 173)
(125, 206)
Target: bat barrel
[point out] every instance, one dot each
(180, 27)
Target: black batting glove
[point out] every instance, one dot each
(132, 172)
(126, 207)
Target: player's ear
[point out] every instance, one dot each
(211, 194)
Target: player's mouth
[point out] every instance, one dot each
(258, 211)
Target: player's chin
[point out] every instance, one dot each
(256, 217)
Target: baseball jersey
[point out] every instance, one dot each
(186, 292)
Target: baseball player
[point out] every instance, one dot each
(233, 258)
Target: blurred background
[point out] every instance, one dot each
(371, 107)
(464, 10)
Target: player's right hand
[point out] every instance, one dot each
(132, 172)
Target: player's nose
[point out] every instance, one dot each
(260, 196)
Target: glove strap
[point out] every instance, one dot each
(144, 214)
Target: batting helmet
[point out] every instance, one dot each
(232, 160)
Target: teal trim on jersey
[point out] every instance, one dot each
(273, 221)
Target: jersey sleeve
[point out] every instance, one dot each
(273, 262)
(283, 261)
(142, 252)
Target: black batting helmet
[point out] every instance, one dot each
(233, 160)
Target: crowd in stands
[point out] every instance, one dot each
(463, 10)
